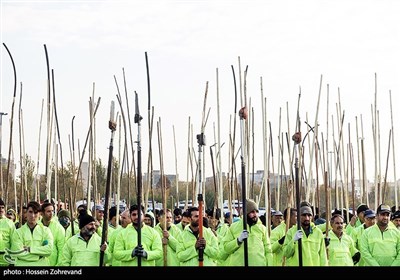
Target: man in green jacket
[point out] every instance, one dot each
(125, 220)
(312, 242)
(278, 235)
(169, 233)
(7, 228)
(32, 243)
(56, 229)
(342, 249)
(189, 243)
(83, 249)
(358, 219)
(127, 249)
(258, 243)
(380, 243)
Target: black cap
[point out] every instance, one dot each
(396, 215)
(84, 220)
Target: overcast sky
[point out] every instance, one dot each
(289, 45)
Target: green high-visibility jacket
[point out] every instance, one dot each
(222, 229)
(258, 244)
(7, 228)
(380, 248)
(277, 248)
(172, 258)
(112, 235)
(341, 250)
(40, 241)
(127, 240)
(187, 253)
(58, 232)
(79, 252)
(313, 248)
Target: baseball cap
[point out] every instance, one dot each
(99, 207)
(383, 208)
(369, 213)
(396, 215)
(362, 208)
(277, 213)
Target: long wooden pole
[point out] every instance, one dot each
(386, 169)
(164, 194)
(11, 126)
(394, 155)
(176, 171)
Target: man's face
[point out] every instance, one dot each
(396, 222)
(2, 210)
(10, 215)
(24, 215)
(293, 218)
(99, 215)
(48, 213)
(194, 218)
(177, 218)
(64, 221)
(185, 221)
(147, 221)
(383, 219)
(277, 220)
(32, 217)
(337, 226)
(89, 229)
(125, 219)
(168, 218)
(369, 221)
(305, 220)
(253, 215)
(135, 217)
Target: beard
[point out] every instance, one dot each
(252, 221)
(195, 224)
(89, 232)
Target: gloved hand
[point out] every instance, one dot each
(298, 235)
(144, 254)
(243, 236)
(356, 257)
(327, 241)
(139, 252)
(282, 240)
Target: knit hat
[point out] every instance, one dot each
(251, 205)
(306, 210)
(84, 220)
(64, 213)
